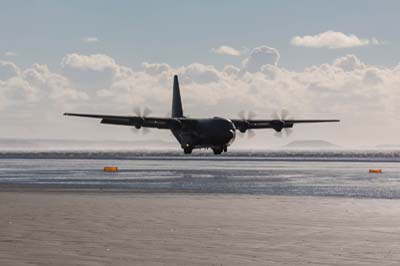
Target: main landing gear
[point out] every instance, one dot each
(216, 150)
(187, 150)
(219, 150)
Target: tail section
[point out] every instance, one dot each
(176, 99)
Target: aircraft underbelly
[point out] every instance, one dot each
(201, 139)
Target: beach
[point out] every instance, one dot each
(105, 228)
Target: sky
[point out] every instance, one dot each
(317, 59)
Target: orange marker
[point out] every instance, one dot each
(110, 169)
(375, 171)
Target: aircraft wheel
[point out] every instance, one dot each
(187, 150)
(218, 150)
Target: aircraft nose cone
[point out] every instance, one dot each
(232, 133)
(231, 137)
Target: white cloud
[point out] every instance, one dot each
(91, 72)
(155, 69)
(96, 62)
(35, 86)
(90, 39)
(231, 70)
(348, 63)
(8, 70)
(259, 56)
(51, 85)
(10, 53)
(364, 96)
(332, 40)
(226, 50)
(199, 73)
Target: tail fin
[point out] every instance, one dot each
(176, 99)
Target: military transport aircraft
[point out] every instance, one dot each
(216, 133)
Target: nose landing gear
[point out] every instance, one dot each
(187, 150)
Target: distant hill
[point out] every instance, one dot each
(311, 144)
(388, 146)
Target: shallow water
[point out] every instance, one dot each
(306, 173)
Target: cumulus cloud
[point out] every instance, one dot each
(259, 56)
(199, 73)
(155, 68)
(226, 50)
(364, 96)
(231, 70)
(35, 85)
(332, 40)
(348, 63)
(51, 85)
(96, 62)
(90, 39)
(91, 72)
(8, 70)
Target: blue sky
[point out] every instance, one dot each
(180, 32)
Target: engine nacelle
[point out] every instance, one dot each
(243, 127)
(278, 125)
(138, 123)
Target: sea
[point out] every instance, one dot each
(333, 173)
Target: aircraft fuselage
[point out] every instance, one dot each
(216, 133)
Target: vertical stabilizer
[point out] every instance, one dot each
(176, 99)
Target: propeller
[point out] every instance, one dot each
(247, 116)
(282, 117)
(288, 132)
(143, 113)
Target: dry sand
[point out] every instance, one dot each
(163, 229)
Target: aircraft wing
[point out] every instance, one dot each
(277, 124)
(136, 121)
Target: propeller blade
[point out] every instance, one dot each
(136, 111)
(251, 133)
(142, 113)
(246, 116)
(275, 116)
(241, 115)
(146, 111)
(251, 115)
(288, 131)
(284, 114)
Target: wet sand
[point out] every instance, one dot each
(84, 228)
